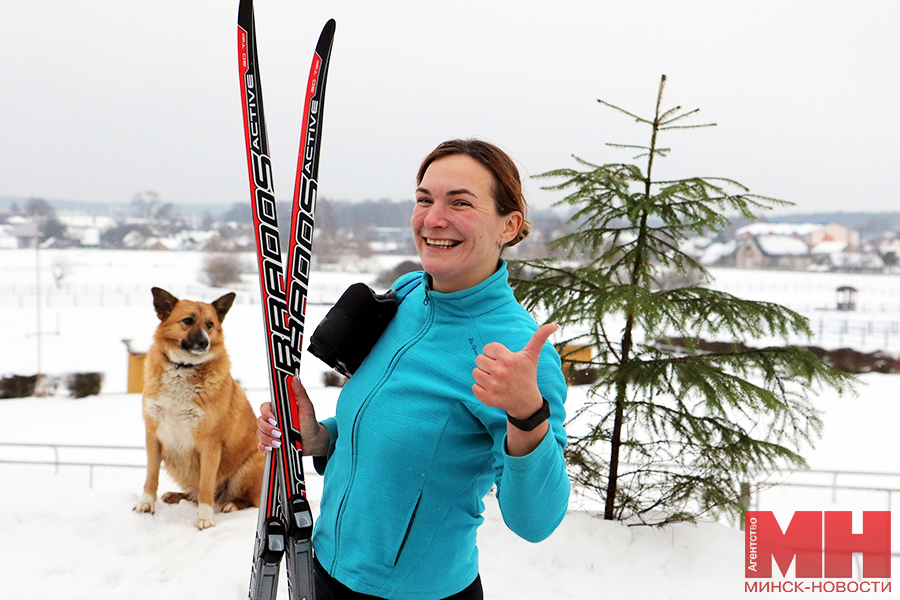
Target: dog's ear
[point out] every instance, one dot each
(163, 302)
(223, 304)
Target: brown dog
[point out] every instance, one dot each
(197, 417)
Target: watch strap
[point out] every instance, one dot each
(542, 414)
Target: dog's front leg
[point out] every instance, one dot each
(147, 502)
(210, 456)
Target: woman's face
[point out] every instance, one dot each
(456, 225)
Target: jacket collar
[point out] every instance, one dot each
(488, 295)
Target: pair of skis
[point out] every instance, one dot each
(284, 528)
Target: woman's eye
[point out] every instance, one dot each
(423, 200)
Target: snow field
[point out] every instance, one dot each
(71, 534)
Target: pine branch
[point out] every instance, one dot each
(622, 110)
(663, 121)
(668, 127)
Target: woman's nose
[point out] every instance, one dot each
(436, 216)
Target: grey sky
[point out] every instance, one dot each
(104, 98)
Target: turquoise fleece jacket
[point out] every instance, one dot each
(413, 452)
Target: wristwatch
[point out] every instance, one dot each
(542, 414)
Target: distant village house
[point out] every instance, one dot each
(802, 246)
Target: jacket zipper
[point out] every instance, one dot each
(362, 409)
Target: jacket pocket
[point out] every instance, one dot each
(409, 525)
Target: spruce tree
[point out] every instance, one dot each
(669, 431)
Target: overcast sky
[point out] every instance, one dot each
(102, 99)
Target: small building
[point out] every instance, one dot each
(719, 253)
(22, 230)
(86, 229)
(856, 262)
(773, 252)
(811, 233)
(846, 298)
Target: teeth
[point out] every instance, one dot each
(441, 243)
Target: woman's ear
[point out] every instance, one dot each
(513, 222)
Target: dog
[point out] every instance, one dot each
(198, 420)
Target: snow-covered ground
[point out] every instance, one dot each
(69, 532)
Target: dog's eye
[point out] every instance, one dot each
(188, 321)
(209, 324)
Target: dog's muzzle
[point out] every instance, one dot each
(195, 343)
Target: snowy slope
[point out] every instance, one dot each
(88, 544)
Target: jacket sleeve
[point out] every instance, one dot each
(533, 490)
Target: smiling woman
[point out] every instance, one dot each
(459, 227)
(461, 393)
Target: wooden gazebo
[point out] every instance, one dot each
(846, 298)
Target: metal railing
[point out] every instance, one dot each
(91, 465)
(834, 487)
(57, 462)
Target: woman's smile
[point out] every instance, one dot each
(436, 243)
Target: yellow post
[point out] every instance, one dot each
(135, 369)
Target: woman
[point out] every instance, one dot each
(452, 399)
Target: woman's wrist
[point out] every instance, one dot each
(531, 405)
(318, 444)
(522, 443)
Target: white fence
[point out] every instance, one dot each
(80, 456)
(91, 457)
(87, 457)
(886, 485)
(861, 334)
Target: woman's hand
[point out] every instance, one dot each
(508, 380)
(314, 435)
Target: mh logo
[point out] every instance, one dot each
(822, 543)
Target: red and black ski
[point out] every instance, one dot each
(285, 520)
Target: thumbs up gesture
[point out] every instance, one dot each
(508, 380)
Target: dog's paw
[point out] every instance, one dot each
(204, 517)
(173, 497)
(146, 504)
(230, 507)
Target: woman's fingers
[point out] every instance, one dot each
(267, 431)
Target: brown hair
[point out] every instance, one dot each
(507, 188)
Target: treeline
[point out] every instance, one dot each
(334, 215)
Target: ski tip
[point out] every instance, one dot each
(328, 30)
(245, 13)
(326, 38)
